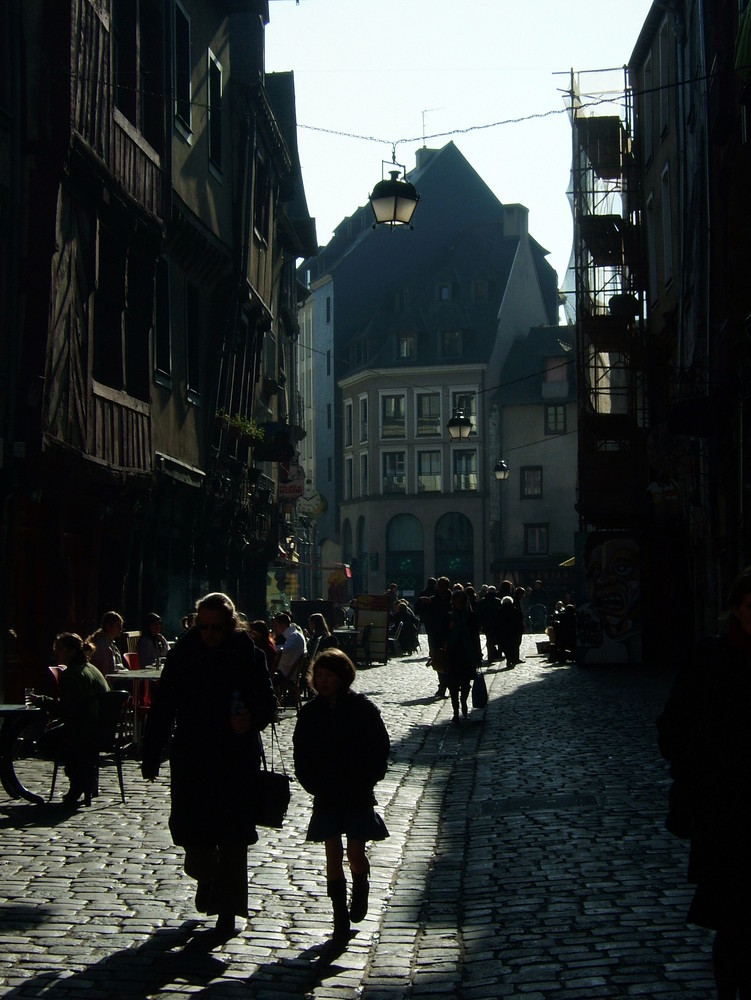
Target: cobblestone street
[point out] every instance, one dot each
(527, 858)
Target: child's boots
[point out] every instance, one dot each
(337, 892)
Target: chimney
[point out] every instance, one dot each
(423, 156)
(516, 220)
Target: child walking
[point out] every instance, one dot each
(341, 752)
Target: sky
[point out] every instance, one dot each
(378, 79)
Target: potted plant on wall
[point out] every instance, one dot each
(247, 431)
(221, 419)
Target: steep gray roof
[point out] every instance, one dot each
(526, 365)
(480, 254)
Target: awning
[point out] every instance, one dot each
(568, 562)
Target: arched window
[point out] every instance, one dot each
(454, 548)
(405, 554)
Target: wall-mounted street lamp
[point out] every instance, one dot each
(501, 473)
(459, 427)
(501, 470)
(394, 201)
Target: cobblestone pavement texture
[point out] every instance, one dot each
(527, 858)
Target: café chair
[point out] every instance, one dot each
(291, 686)
(362, 648)
(395, 648)
(132, 660)
(110, 742)
(56, 670)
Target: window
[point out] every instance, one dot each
(137, 67)
(363, 475)
(328, 416)
(664, 94)
(479, 291)
(363, 418)
(555, 418)
(465, 470)
(328, 308)
(648, 100)
(428, 414)
(261, 200)
(467, 403)
(215, 112)
(192, 326)
(667, 226)
(348, 485)
(444, 292)
(329, 468)
(535, 539)
(348, 428)
(109, 361)
(183, 68)
(138, 318)
(328, 362)
(429, 471)
(393, 414)
(401, 301)
(162, 321)
(407, 345)
(531, 482)
(651, 249)
(451, 344)
(394, 472)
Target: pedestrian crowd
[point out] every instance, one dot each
(224, 679)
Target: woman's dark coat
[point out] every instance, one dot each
(341, 752)
(462, 647)
(705, 732)
(212, 767)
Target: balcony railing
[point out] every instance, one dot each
(465, 482)
(120, 432)
(395, 484)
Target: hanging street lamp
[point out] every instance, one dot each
(501, 470)
(394, 201)
(459, 427)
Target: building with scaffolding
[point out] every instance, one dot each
(610, 363)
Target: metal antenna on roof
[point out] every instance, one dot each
(425, 112)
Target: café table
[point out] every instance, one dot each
(15, 720)
(136, 678)
(347, 639)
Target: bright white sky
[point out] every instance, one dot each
(393, 71)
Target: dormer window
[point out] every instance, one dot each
(444, 292)
(407, 345)
(479, 291)
(451, 344)
(401, 301)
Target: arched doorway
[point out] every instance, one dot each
(454, 548)
(405, 554)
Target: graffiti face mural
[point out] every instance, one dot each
(610, 621)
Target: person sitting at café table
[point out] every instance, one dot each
(152, 643)
(81, 688)
(287, 634)
(319, 635)
(107, 656)
(261, 636)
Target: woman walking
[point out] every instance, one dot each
(216, 690)
(462, 651)
(341, 752)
